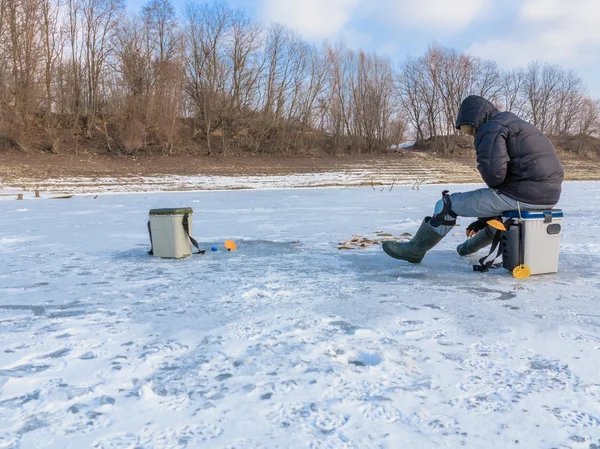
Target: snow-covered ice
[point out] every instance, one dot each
(413, 169)
(289, 342)
(81, 185)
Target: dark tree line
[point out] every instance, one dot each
(433, 86)
(212, 78)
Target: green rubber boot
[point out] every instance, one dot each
(414, 250)
(479, 241)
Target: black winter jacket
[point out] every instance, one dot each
(513, 156)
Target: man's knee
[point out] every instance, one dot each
(439, 206)
(443, 213)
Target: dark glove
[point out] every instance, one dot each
(476, 226)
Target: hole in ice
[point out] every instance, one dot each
(365, 359)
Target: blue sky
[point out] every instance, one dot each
(511, 32)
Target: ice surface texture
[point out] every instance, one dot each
(289, 342)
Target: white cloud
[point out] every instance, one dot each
(314, 19)
(557, 31)
(317, 19)
(580, 12)
(444, 15)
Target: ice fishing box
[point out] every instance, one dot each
(170, 231)
(532, 239)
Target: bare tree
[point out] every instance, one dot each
(22, 19)
(363, 109)
(164, 48)
(242, 56)
(100, 20)
(206, 28)
(341, 90)
(408, 84)
(432, 87)
(511, 89)
(72, 80)
(4, 53)
(589, 118)
(52, 40)
(134, 56)
(487, 79)
(538, 87)
(569, 101)
(294, 75)
(219, 81)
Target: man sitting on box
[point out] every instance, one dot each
(517, 162)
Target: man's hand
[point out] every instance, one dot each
(476, 226)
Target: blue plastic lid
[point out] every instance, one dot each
(555, 213)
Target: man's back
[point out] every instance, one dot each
(534, 174)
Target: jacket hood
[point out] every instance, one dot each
(475, 111)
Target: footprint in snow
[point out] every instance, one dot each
(383, 412)
(336, 442)
(345, 327)
(580, 338)
(574, 418)
(80, 420)
(28, 369)
(167, 348)
(308, 415)
(433, 423)
(327, 422)
(87, 356)
(56, 354)
(120, 441)
(165, 438)
(411, 323)
(9, 440)
(482, 403)
(198, 433)
(592, 390)
(245, 444)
